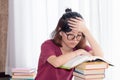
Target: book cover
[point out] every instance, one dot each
(92, 76)
(90, 71)
(24, 73)
(92, 65)
(23, 70)
(79, 78)
(23, 77)
(81, 59)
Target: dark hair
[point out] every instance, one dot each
(66, 16)
(63, 26)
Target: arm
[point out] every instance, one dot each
(48, 54)
(62, 59)
(79, 24)
(96, 49)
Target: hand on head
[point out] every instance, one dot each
(77, 24)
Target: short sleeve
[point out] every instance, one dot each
(88, 48)
(47, 49)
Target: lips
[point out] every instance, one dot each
(73, 44)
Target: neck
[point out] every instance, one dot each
(65, 48)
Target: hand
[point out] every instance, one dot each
(77, 24)
(82, 52)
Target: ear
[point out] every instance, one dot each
(60, 33)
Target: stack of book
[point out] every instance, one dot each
(87, 67)
(92, 70)
(23, 73)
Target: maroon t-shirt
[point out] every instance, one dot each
(45, 70)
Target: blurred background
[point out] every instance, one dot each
(26, 24)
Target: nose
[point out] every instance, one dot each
(75, 38)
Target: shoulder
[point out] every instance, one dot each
(48, 43)
(88, 48)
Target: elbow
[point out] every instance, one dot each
(57, 63)
(54, 61)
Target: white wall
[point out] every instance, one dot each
(32, 21)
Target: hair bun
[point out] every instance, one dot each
(68, 10)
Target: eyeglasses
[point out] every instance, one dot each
(72, 37)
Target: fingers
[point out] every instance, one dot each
(77, 24)
(86, 53)
(75, 21)
(70, 22)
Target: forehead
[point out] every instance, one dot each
(75, 32)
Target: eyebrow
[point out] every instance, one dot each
(79, 32)
(73, 32)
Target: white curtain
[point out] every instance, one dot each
(32, 21)
(26, 31)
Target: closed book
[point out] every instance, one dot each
(93, 65)
(90, 76)
(24, 73)
(78, 78)
(23, 70)
(23, 77)
(90, 71)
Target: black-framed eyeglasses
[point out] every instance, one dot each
(72, 37)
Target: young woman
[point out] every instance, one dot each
(69, 40)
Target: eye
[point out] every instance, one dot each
(70, 36)
(79, 35)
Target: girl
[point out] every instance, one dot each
(69, 41)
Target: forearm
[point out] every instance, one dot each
(97, 51)
(57, 61)
(66, 57)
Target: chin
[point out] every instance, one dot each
(72, 46)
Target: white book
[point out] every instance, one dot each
(81, 59)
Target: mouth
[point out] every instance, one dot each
(73, 43)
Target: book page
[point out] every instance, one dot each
(80, 59)
(97, 58)
(75, 61)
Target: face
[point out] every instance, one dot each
(71, 39)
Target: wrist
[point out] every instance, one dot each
(77, 53)
(86, 32)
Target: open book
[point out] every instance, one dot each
(81, 59)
